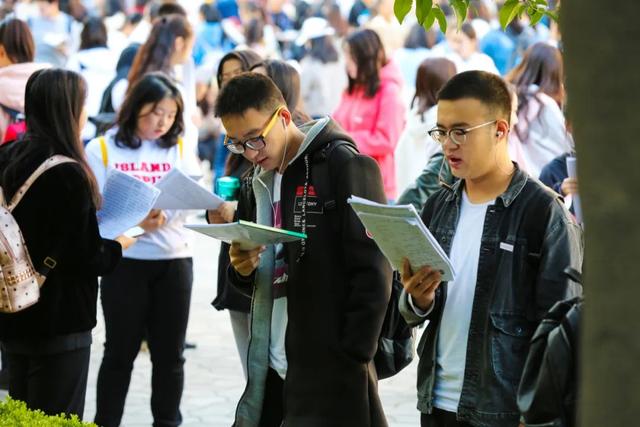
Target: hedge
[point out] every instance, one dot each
(14, 413)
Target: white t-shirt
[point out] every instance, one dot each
(451, 351)
(149, 163)
(279, 316)
(477, 61)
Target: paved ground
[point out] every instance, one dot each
(214, 378)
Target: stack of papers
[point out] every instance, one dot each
(400, 233)
(180, 191)
(127, 201)
(248, 234)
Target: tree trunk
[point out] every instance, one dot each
(602, 59)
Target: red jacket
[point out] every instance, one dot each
(376, 123)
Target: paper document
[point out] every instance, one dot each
(249, 234)
(400, 233)
(179, 191)
(126, 201)
(572, 171)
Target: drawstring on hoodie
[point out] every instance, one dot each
(303, 221)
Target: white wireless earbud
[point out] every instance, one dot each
(499, 134)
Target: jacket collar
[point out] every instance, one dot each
(516, 185)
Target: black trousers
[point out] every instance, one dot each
(144, 298)
(440, 418)
(53, 383)
(272, 406)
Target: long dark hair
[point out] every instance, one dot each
(17, 41)
(432, 74)
(365, 47)
(541, 66)
(287, 79)
(94, 34)
(323, 50)
(150, 89)
(156, 53)
(54, 100)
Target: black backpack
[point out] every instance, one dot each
(397, 340)
(547, 394)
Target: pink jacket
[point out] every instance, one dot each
(13, 81)
(376, 123)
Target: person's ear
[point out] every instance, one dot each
(502, 129)
(286, 117)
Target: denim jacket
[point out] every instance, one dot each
(518, 280)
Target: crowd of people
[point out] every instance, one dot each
(307, 103)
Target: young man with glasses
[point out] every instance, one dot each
(509, 239)
(318, 305)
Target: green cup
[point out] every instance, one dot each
(227, 187)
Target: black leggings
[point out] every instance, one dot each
(144, 298)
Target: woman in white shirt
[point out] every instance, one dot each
(415, 146)
(540, 134)
(149, 292)
(97, 64)
(168, 49)
(466, 56)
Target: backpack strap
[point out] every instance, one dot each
(103, 149)
(45, 166)
(180, 147)
(322, 176)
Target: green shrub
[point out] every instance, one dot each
(14, 413)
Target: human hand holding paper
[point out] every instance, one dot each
(422, 285)
(126, 202)
(153, 221)
(245, 261)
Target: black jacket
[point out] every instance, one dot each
(337, 294)
(527, 241)
(57, 218)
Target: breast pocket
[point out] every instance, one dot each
(510, 337)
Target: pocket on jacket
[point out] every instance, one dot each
(510, 337)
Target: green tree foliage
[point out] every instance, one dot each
(14, 413)
(428, 11)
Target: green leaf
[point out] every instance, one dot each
(508, 12)
(442, 20)
(552, 14)
(428, 22)
(536, 16)
(460, 7)
(521, 9)
(423, 9)
(401, 8)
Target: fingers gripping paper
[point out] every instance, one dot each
(400, 233)
(126, 201)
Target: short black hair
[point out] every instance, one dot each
(246, 91)
(488, 88)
